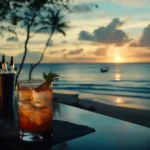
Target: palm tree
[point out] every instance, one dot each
(56, 24)
(29, 17)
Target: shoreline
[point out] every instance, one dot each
(136, 116)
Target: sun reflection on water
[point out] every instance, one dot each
(117, 76)
(119, 100)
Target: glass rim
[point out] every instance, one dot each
(31, 81)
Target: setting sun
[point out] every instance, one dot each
(118, 58)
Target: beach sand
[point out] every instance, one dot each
(137, 116)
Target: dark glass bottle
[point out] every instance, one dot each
(12, 65)
(4, 65)
(7, 87)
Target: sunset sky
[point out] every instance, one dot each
(110, 31)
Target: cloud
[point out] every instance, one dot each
(57, 52)
(144, 40)
(81, 8)
(32, 56)
(79, 59)
(12, 39)
(138, 53)
(10, 46)
(143, 54)
(107, 35)
(63, 50)
(75, 52)
(100, 52)
(84, 35)
(134, 44)
(53, 52)
(64, 42)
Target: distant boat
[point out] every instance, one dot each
(104, 69)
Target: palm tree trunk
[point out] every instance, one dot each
(33, 66)
(24, 55)
(30, 72)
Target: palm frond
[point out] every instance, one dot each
(50, 77)
(61, 31)
(63, 25)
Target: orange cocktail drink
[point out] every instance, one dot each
(35, 111)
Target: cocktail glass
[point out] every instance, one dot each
(34, 111)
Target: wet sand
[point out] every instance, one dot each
(137, 116)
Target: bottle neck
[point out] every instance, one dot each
(12, 63)
(12, 66)
(3, 59)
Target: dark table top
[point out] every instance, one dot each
(111, 133)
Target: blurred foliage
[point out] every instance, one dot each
(34, 16)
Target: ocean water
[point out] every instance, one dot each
(124, 85)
